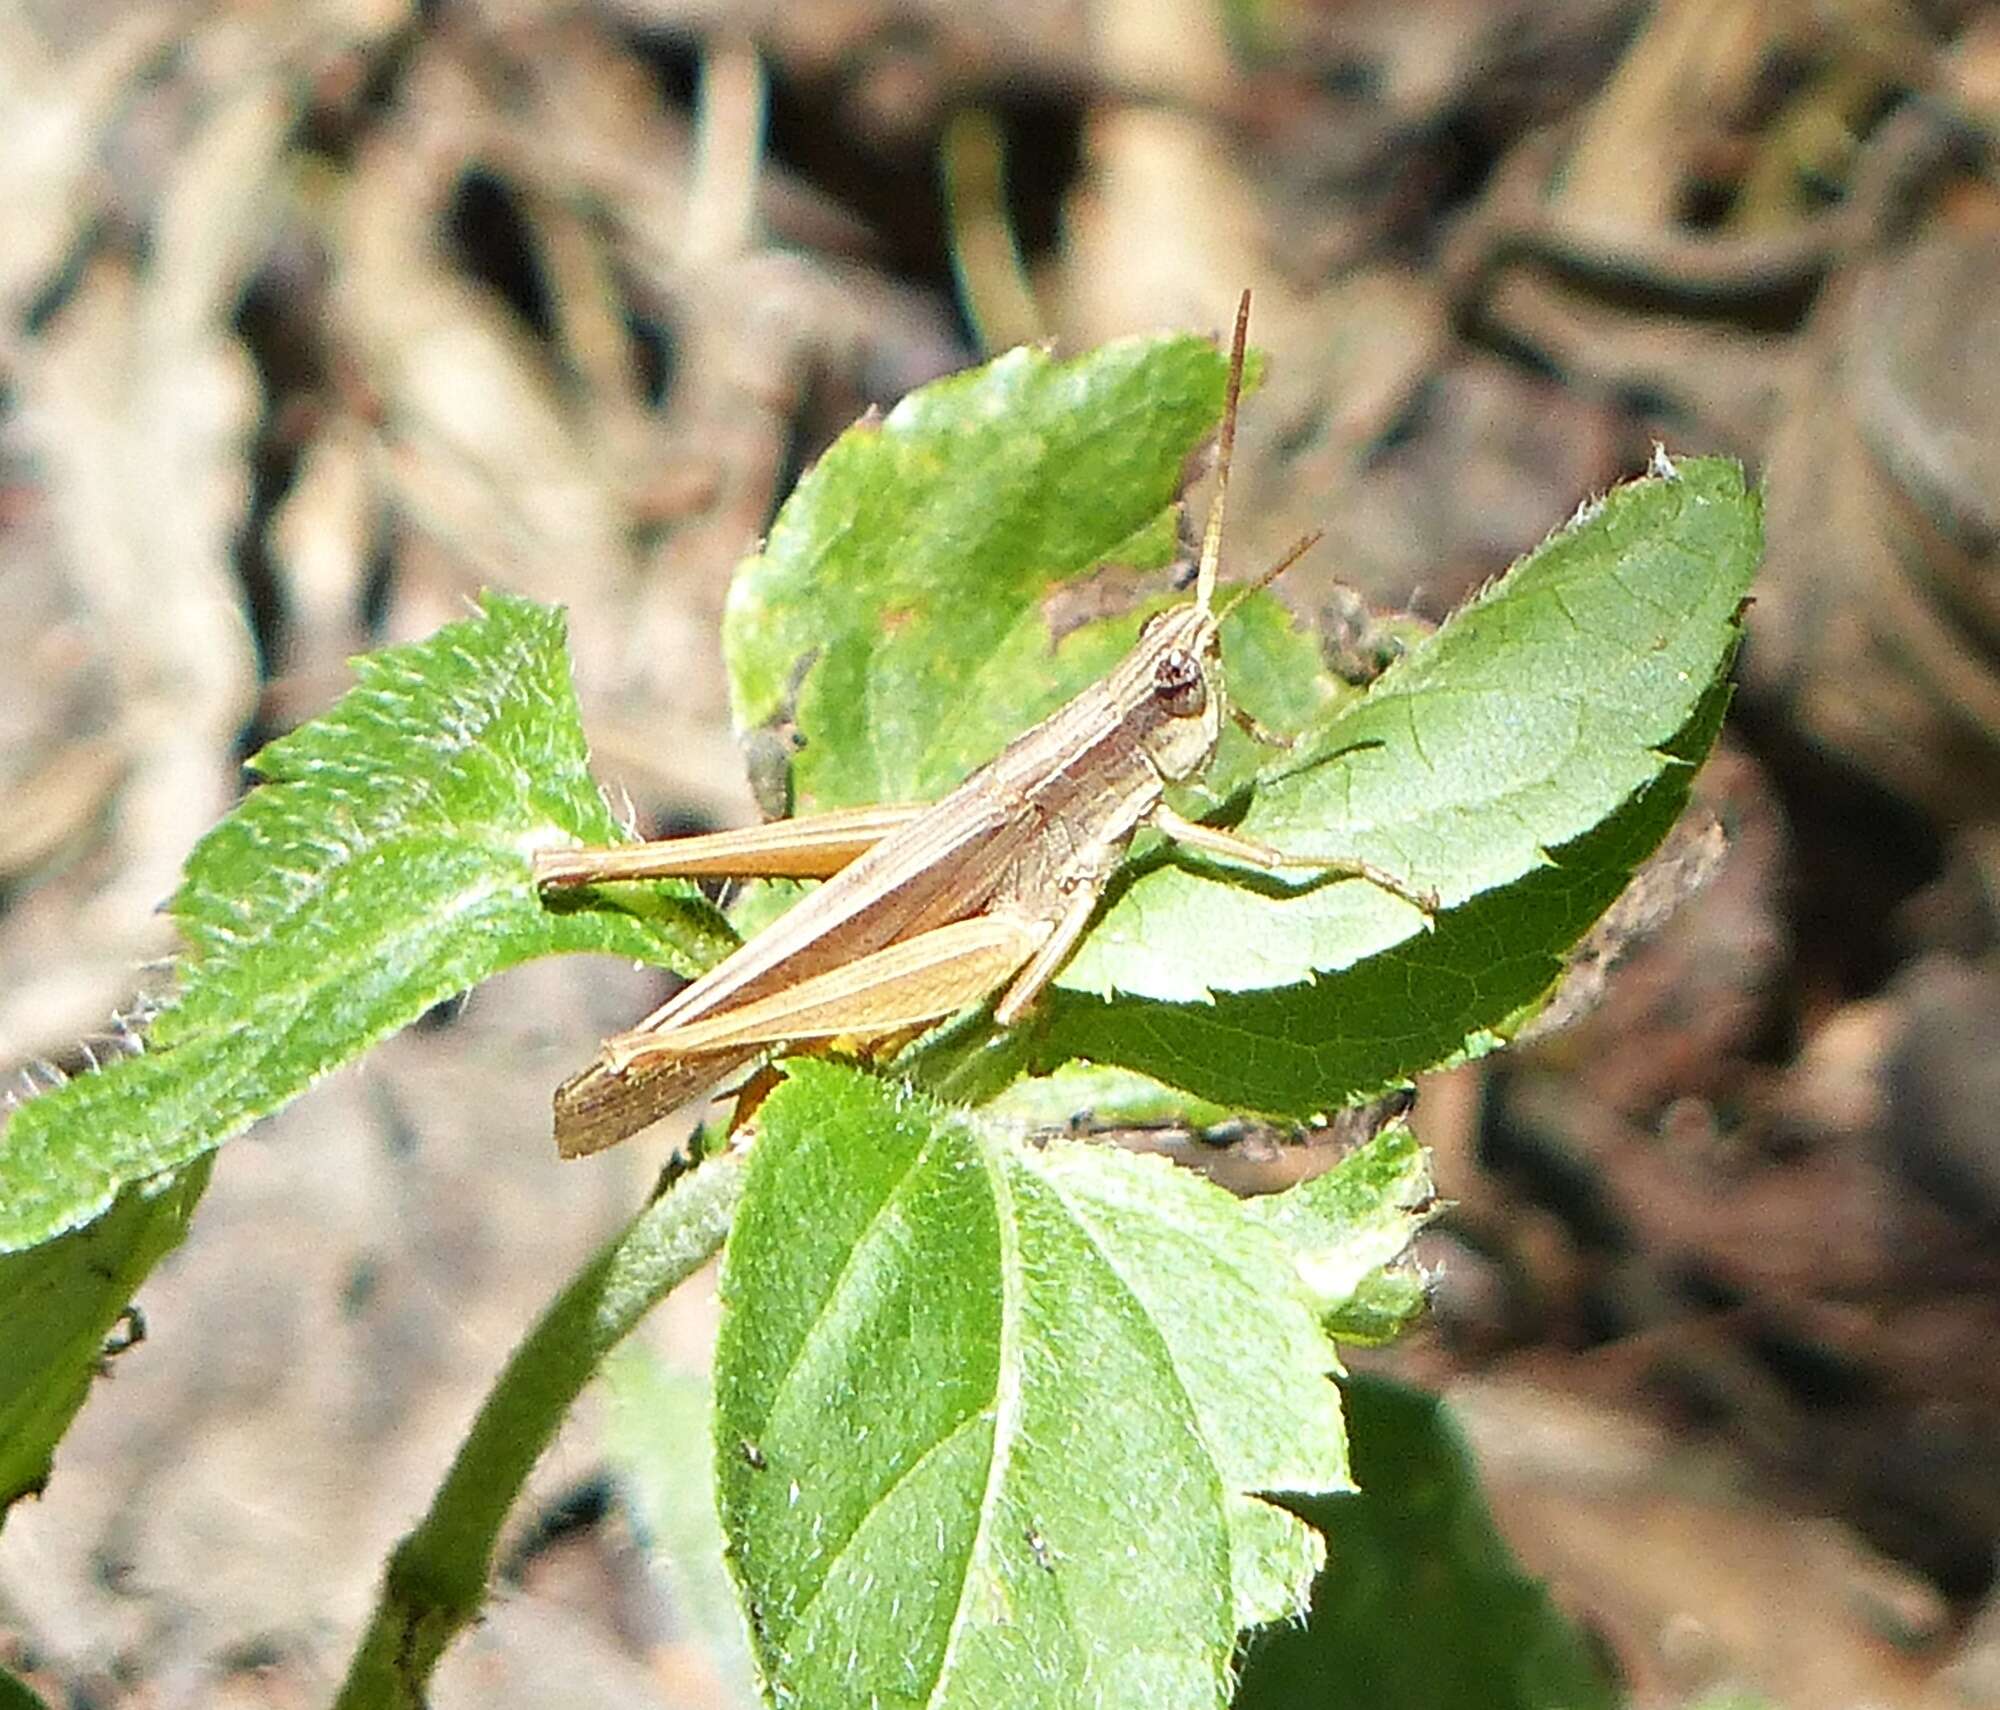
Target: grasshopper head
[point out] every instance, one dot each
(1174, 686)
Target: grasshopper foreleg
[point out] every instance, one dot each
(1084, 885)
(1212, 840)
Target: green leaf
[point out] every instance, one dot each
(917, 607)
(382, 867)
(1521, 725)
(917, 595)
(1275, 674)
(1519, 764)
(16, 1695)
(990, 1419)
(58, 1303)
(1455, 992)
(1084, 1095)
(1422, 1605)
(1350, 1225)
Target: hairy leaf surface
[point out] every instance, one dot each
(382, 866)
(992, 1419)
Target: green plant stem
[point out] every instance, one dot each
(436, 1580)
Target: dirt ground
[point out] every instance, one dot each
(320, 317)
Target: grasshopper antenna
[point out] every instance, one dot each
(1298, 549)
(1211, 540)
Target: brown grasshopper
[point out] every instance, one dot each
(928, 909)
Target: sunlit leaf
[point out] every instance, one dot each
(382, 866)
(992, 1419)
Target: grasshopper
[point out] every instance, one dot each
(929, 909)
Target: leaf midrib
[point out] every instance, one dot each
(1006, 1397)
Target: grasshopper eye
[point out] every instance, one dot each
(1178, 684)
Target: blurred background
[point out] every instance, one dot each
(320, 316)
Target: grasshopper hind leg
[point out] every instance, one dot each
(600, 1106)
(643, 1075)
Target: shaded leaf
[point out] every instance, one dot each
(1008, 1407)
(59, 1301)
(16, 1695)
(382, 867)
(1422, 1606)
